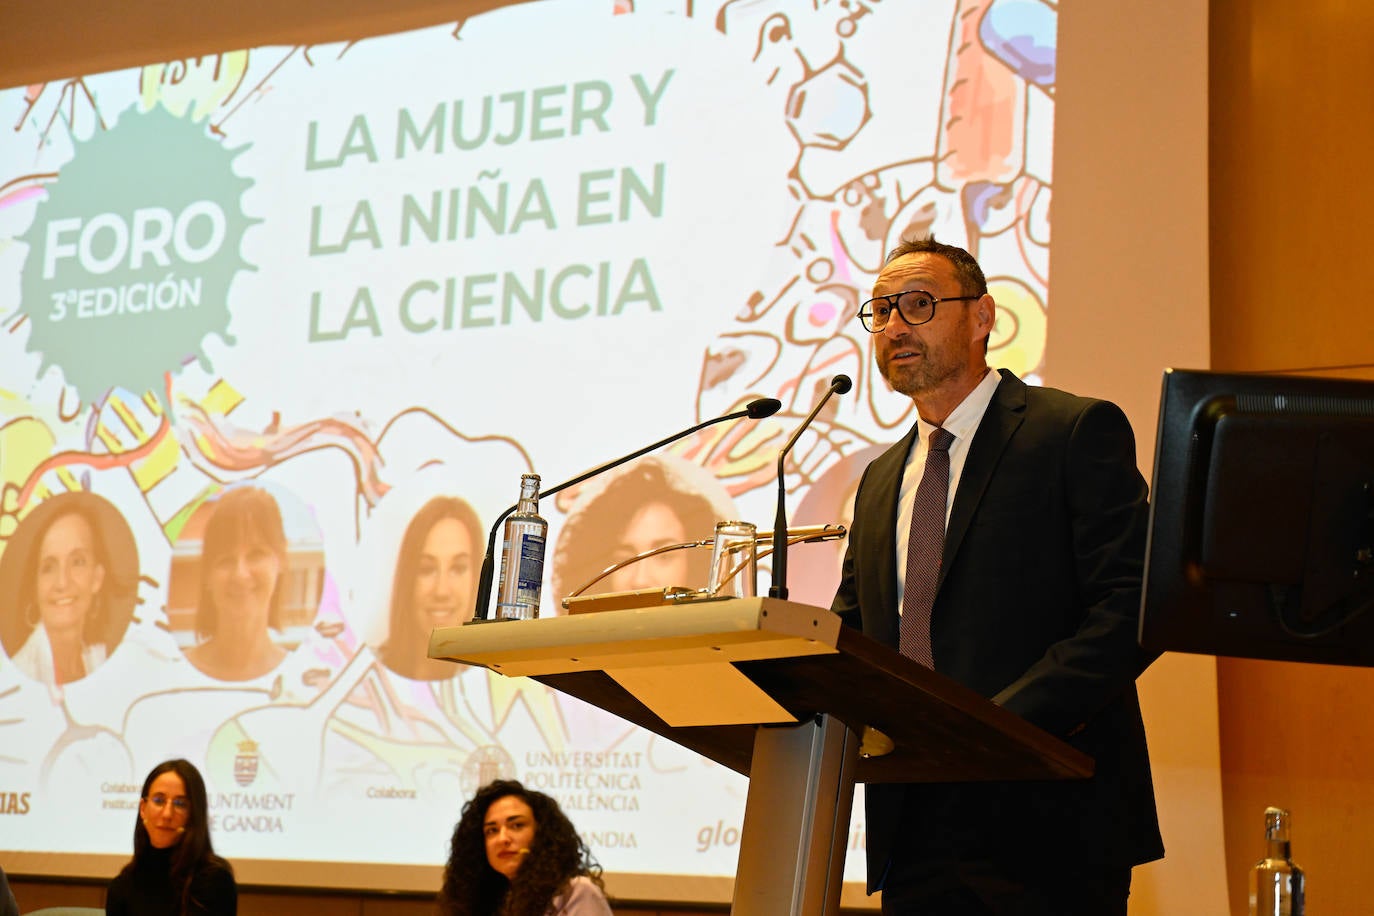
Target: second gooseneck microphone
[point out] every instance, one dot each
(754, 410)
(840, 384)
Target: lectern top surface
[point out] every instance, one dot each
(702, 632)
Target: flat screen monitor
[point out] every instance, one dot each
(1261, 539)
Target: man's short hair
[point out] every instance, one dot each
(971, 279)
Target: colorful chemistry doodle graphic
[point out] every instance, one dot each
(281, 328)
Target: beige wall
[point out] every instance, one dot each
(1282, 199)
(1129, 282)
(1291, 202)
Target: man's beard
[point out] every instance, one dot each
(913, 381)
(927, 374)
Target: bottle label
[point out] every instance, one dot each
(531, 574)
(522, 576)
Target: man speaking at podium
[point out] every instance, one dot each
(1002, 543)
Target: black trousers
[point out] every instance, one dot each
(955, 887)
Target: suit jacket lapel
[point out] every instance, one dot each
(1004, 414)
(885, 486)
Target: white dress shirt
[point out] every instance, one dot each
(962, 423)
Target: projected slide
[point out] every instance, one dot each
(281, 328)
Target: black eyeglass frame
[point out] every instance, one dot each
(866, 314)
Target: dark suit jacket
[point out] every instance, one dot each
(1036, 608)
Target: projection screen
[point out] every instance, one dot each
(318, 300)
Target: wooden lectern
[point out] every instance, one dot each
(784, 694)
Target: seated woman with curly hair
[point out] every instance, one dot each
(515, 853)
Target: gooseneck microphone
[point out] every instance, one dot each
(840, 384)
(754, 410)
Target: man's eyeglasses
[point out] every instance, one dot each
(180, 804)
(916, 306)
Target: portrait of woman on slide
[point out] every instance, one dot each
(69, 621)
(243, 568)
(654, 502)
(434, 586)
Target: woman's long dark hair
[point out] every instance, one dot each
(194, 855)
(557, 855)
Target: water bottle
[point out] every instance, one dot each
(522, 556)
(1277, 887)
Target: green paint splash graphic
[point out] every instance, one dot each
(132, 254)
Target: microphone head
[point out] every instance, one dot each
(841, 384)
(763, 407)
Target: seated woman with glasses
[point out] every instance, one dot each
(174, 871)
